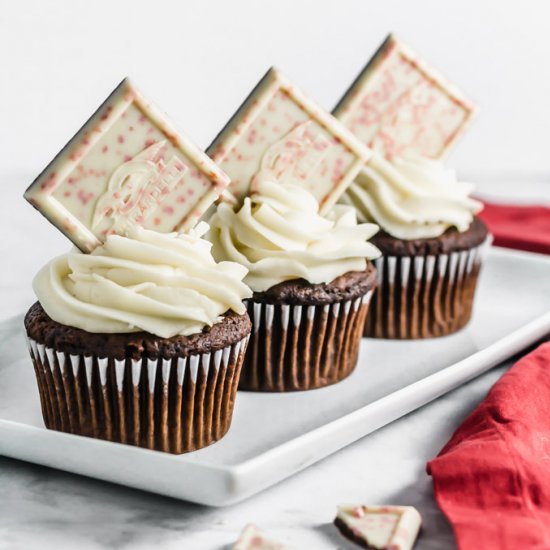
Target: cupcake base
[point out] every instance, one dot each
(426, 288)
(306, 336)
(176, 402)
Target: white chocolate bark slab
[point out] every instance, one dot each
(280, 132)
(380, 527)
(253, 539)
(400, 105)
(127, 165)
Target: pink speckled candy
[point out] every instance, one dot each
(381, 527)
(399, 105)
(126, 166)
(279, 132)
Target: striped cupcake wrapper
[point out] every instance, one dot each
(173, 405)
(424, 296)
(298, 347)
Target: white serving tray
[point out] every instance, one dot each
(275, 435)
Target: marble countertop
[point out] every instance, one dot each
(48, 509)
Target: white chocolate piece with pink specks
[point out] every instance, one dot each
(126, 166)
(380, 527)
(399, 105)
(279, 132)
(253, 539)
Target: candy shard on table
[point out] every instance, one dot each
(399, 105)
(126, 166)
(379, 527)
(252, 538)
(280, 133)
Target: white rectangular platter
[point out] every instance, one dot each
(275, 435)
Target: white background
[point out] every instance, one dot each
(59, 59)
(198, 60)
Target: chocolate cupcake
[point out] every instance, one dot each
(312, 282)
(141, 341)
(432, 246)
(301, 338)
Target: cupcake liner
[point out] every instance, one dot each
(299, 347)
(424, 296)
(173, 405)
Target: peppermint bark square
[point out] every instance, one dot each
(281, 134)
(252, 538)
(400, 105)
(379, 527)
(126, 166)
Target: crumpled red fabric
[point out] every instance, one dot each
(519, 227)
(492, 479)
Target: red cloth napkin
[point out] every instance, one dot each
(520, 227)
(492, 479)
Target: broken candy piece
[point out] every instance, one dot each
(126, 166)
(379, 527)
(253, 539)
(400, 105)
(279, 133)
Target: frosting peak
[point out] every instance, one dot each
(412, 198)
(279, 235)
(165, 284)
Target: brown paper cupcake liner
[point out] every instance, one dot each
(299, 347)
(173, 405)
(424, 296)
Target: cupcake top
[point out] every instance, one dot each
(278, 235)
(166, 284)
(412, 198)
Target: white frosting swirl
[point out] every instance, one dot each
(278, 235)
(412, 198)
(164, 284)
